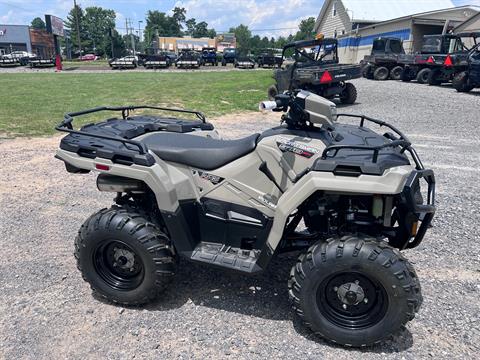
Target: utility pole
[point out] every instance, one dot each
(79, 43)
(132, 37)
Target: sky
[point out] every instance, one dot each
(264, 17)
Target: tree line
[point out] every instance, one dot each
(97, 34)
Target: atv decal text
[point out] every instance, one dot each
(289, 145)
(214, 179)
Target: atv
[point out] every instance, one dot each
(209, 56)
(229, 56)
(469, 78)
(383, 61)
(345, 197)
(316, 69)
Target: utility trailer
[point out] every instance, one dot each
(14, 59)
(244, 62)
(127, 62)
(154, 59)
(316, 69)
(188, 58)
(384, 61)
(41, 62)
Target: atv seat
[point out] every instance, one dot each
(198, 151)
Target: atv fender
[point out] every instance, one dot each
(164, 180)
(391, 182)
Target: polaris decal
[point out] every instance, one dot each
(214, 179)
(289, 145)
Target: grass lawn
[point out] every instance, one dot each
(32, 104)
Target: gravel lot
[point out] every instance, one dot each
(47, 311)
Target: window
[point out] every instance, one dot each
(334, 9)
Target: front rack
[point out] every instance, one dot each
(66, 124)
(402, 141)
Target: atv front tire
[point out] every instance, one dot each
(460, 82)
(124, 257)
(354, 291)
(272, 92)
(367, 72)
(349, 94)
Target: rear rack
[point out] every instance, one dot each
(66, 124)
(402, 141)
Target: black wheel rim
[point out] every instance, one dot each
(352, 300)
(118, 265)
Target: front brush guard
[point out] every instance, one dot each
(423, 212)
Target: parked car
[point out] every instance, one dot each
(88, 57)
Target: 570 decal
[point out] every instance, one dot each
(298, 148)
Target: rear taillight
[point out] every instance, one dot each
(448, 61)
(326, 77)
(431, 60)
(102, 167)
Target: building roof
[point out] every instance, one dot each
(381, 10)
(467, 23)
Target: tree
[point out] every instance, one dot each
(72, 25)
(119, 48)
(201, 30)
(164, 25)
(38, 24)
(243, 36)
(305, 29)
(98, 22)
(179, 15)
(191, 24)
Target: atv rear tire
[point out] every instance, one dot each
(272, 92)
(381, 73)
(433, 78)
(422, 76)
(396, 73)
(124, 257)
(354, 291)
(460, 82)
(349, 94)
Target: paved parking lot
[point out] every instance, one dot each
(47, 311)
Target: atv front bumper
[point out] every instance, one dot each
(421, 212)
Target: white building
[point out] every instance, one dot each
(356, 23)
